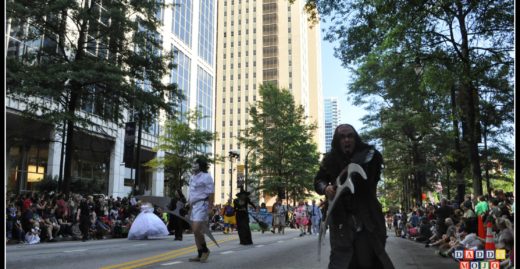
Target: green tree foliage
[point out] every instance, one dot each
(181, 144)
(286, 158)
(87, 59)
(465, 51)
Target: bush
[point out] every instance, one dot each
(47, 184)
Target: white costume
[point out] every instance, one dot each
(201, 187)
(147, 224)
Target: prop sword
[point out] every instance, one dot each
(341, 187)
(163, 202)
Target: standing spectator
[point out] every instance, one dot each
(177, 205)
(279, 213)
(85, 209)
(228, 211)
(315, 214)
(302, 219)
(443, 212)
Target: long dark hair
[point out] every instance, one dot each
(333, 161)
(203, 164)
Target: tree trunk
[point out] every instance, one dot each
(469, 104)
(69, 147)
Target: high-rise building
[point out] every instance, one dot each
(34, 148)
(261, 41)
(332, 115)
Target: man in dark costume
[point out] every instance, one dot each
(242, 215)
(357, 229)
(175, 223)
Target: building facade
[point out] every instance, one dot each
(332, 116)
(34, 149)
(261, 41)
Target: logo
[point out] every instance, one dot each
(479, 259)
(464, 265)
(469, 254)
(490, 254)
(479, 254)
(500, 254)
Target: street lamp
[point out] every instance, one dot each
(247, 156)
(232, 154)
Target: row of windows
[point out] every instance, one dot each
(181, 76)
(239, 11)
(231, 99)
(231, 147)
(232, 33)
(239, 88)
(182, 21)
(240, 43)
(204, 98)
(239, 76)
(206, 31)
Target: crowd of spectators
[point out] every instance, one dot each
(47, 217)
(450, 226)
(35, 217)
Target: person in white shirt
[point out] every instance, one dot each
(201, 197)
(316, 216)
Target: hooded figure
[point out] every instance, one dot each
(242, 215)
(357, 230)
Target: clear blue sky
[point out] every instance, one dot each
(335, 79)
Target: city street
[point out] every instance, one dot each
(268, 251)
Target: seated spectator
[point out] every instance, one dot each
(51, 226)
(425, 231)
(450, 232)
(33, 236)
(65, 224)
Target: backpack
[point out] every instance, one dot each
(229, 211)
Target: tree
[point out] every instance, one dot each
(286, 159)
(88, 58)
(181, 144)
(473, 38)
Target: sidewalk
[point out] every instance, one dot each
(407, 254)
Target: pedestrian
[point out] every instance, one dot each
(175, 223)
(201, 197)
(315, 214)
(301, 217)
(229, 216)
(357, 229)
(242, 214)
(279, 213)
(83, 216)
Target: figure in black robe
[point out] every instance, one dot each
(357, 229)
(241, 205)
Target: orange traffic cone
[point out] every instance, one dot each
(490, 242)
(481, 231)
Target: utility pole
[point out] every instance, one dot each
(236, 155)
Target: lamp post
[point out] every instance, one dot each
(236, 155)
(247, 156)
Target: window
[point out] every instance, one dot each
(182, 20)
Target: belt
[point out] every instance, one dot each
(200, 200)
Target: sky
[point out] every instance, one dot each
(334, 82)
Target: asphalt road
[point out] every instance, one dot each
(268, 251)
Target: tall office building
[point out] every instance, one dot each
(332, 115)
(261, 41)
(34, 148)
